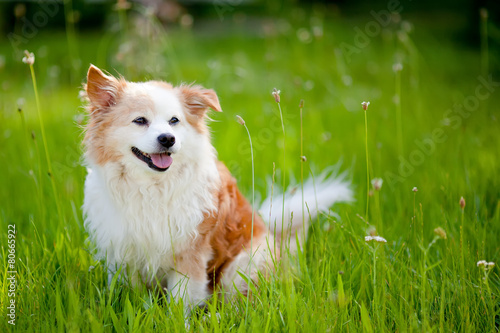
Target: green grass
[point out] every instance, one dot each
(414, 282)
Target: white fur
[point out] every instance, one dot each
(319, 195)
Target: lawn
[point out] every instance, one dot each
(432, 124)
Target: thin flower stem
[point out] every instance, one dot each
(375, 279)
(376, 195)
(253, 208)
(462, 244)
(302, 161)
(367, 167)
(271, 205)
(284, 168)
(44, 140)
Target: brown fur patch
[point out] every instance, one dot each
(230, 228)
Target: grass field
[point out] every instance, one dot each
(433, 125)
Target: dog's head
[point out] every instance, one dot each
(148, 125)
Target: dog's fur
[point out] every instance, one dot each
(177, 217)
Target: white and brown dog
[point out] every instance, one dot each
(160, 205)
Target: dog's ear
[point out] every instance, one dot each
(102, 90)
(198, 99)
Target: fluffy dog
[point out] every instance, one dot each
(160, 206)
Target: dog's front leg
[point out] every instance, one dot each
(193, 292)
(189, 281)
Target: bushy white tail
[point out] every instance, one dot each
(319, 195)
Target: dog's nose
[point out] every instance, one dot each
(166, 140)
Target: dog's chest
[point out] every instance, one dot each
(144, 226)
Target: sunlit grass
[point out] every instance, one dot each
(414, 282)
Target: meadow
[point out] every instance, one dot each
(432, 124)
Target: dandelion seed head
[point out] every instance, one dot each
(276, 95)
(29, 58)
(377, 183)
(415, 189)
(303, 158)
(365, 105)
(240, 120)
(462, 202)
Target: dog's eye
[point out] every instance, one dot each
(140, 121)
(173, 121)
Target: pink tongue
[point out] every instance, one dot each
(162, 161)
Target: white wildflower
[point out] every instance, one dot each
(485, 264)
(29, 58)
(365, 105)
(375, 238)
(276, 95)
(377, 183)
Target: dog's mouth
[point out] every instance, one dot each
(158, 162)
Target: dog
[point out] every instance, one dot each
(162, 210)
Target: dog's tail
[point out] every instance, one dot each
(319, 194)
